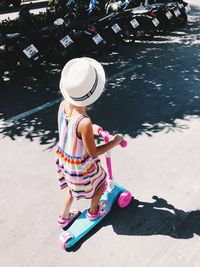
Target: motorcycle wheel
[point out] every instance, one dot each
(182, 20)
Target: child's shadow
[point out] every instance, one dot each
(143, 218)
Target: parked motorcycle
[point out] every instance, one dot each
(166, 16)
(179, 13)
(21, 51)
(90, 41)
(111, 28)
(141, 24)
(86, 34)
(164, 13)
(176, 12)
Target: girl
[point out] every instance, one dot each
(78, 166)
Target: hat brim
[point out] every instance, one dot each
(99, 88)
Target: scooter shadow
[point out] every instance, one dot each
(143, 219)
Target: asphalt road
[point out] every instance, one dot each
(153, 99)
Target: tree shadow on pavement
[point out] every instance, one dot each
(163, 91)
(161, 94)
(22, 94)
(42, 128)
(145, 219)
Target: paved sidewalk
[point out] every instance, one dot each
(159, 229)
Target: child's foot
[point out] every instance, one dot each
(103, 209)
(64, 223)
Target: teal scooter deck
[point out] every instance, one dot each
(83, 225)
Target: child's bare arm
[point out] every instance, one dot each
(85, 130)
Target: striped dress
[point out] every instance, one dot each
(78, 171)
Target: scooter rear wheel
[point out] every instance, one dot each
(124, 199)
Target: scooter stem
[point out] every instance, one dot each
(110, 180)
(109, 165)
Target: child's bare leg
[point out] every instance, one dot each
(95, 200)
(67, 205)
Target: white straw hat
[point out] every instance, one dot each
(82, 81)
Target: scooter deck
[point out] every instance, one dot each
(83, 225)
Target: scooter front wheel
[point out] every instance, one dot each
(124, 199)
(64, 238)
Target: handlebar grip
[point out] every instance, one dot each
(106, 136)
(123, 143)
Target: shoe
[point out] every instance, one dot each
(65, 223)
(104, 208)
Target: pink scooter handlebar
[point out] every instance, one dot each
(106, 136)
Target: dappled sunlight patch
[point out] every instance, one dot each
(178, 125)
(164, 127)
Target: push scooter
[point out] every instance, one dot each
(82, 225)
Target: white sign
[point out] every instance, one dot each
(30, 51)
(155, 22)
(116, 28)
(66, 41)
(180, 5)
(134, 23)
(187, 8)
(97, 39)
(169, 15)
(177, 12)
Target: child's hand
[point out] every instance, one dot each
(117, 139)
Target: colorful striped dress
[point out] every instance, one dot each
(78, 171)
